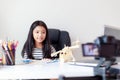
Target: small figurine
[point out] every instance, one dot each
(65, 54)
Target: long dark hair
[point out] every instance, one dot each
(29, 44)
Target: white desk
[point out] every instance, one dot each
(116, 66)
(42, 70)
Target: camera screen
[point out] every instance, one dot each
(89, 49)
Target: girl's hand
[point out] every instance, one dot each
(46, 60)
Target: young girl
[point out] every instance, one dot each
(37, 45)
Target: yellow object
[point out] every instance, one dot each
(66, 55)
(3, 59)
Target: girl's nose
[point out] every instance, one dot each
(40, 34)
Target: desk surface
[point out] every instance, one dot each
(116, 66)
(43, 70)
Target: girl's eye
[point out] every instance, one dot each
(37, 32)
(43, 32)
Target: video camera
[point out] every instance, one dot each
(108, 46)
(108, 49)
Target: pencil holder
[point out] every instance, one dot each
(8, 49)
(8, 57)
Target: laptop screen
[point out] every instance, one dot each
(89, 50)
(110, 30)
(113, 31)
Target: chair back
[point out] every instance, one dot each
(59, 38)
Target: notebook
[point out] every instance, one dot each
(85, 62)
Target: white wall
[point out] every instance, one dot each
(84, 19)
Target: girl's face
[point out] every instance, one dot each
(39, 34)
